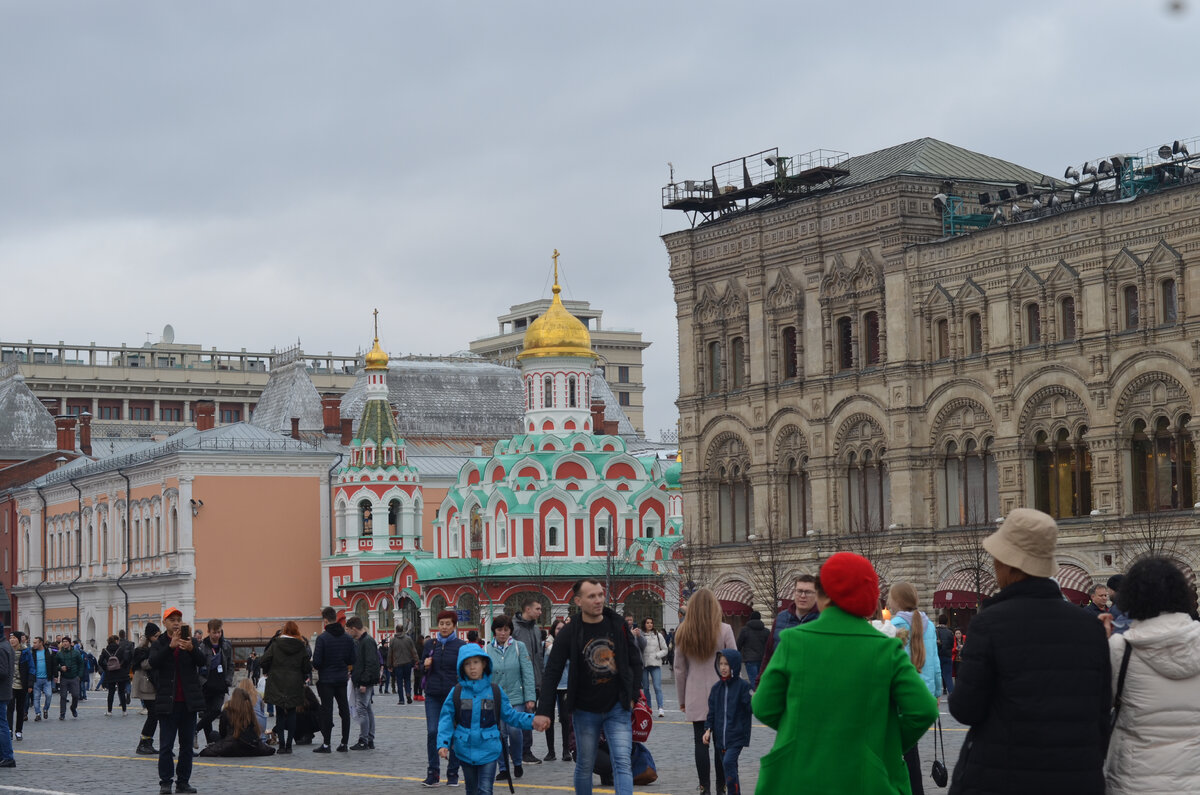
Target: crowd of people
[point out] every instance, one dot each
(1057, 698)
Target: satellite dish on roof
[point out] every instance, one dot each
(168, 333)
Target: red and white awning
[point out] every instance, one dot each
(964, 589)
(735, 597)
(1074, 583)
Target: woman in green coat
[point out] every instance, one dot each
(287, 662)
(844, 699)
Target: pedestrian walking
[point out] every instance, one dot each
(70, 671)
(1153, 745)
(366, 674)
(253, 669)
(1034, 682)
(218, 676)
(22, 684)
(385, 670)
(45, 668)
(287, 664)
(945, 652)
(176, 663)
(402, 657)
(117, 669)
(512, 671)
(917, 632)
(752, 645)
(653, 653)
(440, 660)
(8, 665)
(697, 641)
(602, 685)
(470, 736)
(560, 693)
(143, 688)
(333, 658)
(526, 630)
(843, 697)
(727, 726)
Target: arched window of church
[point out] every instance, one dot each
(1062, 474)
(501, 533)
(394, 518)
(1161, 459)
(974, 334)
(548, 392)
(385, 615)
(970, 483)
(737, 363)
(1169, 301)
(942, 339)
(790, 365)
(798, 497)
(603, 530)
(714, 367)
(845, 343)
(1130, 306)
(572, 398)
(1066, 319)
(871, 338)
(1033, 324)
(554, 534)
(366, 517)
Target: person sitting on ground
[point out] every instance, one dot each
(238, 731)
(260, 709)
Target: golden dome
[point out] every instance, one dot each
(557, 332)
(376, 358)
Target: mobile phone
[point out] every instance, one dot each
(185, 632)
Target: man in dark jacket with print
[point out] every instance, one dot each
(333, 657)
(176, 662)
(218, 676)
(439, 666)
(602, 685)
(1034, 682)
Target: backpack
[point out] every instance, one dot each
(642, 765)
(114, 662)
(456, 695)
(643, 719)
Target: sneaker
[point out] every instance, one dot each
(108, 714)
(418, 698)
(18, 736)
(184, 787)
(410, 700)
(431, 780)
(529, 759)
(343, 748)
(62, 716)
(8, 763)
(662, 713)
(361, 745)
(165, 789)
(550, 757)
(321, 749)
(452, 780)
(37, 717)
(518, 771)
(75, 714)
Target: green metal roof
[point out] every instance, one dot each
(933, 158)
(381, 582)
(377, 423)
(465, 569)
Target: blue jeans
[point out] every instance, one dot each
(650, 675)
(751, 673)
(729, 758)
(403, 674)
(433, 711)
(180, 723)
(514, 738)
(479, 778)
(364, 707)
(948, 675)
(43, 689)
(6, 751)
(618, 728)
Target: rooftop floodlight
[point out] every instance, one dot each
(1071, 173)
(1103, 167)
(1054, 201)
(1166, 152)
(770, 160)
(1183, 150)
(1047, 181)
(1118, 163)
(1023, 188)
(1095, 189)
(985, 198)
(998, 216)
(1088, 168)
(1016, 211)
(1075, 197)
(1175, 147)
(1005, 194)
(939, 202)
(1037, 203)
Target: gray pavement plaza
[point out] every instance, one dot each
(94, 754)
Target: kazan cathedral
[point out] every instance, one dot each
(563, 500)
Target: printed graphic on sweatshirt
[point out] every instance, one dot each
(601, 660)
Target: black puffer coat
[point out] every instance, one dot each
(287, 665)
(1034, 685)
(752, 640)
(162, 661)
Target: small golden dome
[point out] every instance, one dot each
(557, 332)
(376, 358)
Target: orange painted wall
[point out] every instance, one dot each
(258, 545)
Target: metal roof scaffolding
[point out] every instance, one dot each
(753, 177)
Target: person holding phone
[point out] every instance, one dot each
(176, 661)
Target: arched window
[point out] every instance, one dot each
(469, 604)
(572, 398)
(501, 533)
(1066, 319)
(366, 517)
(845, 343)
(174, 529)
(798, 498)
(871, 337)
(158, 538)
(603, 530)
(1129, 300)
(942, 339)
(974, 334)
(1062, 474)
(1162, 465)
(868, 492)
(394, 518)
(386, 616)
(970, 483)
(790, 365)
(363, 611)
(555, 540)
(529, 395)
(437, 603)
(734, 502)
(1170, 302)
(548, 392)
(1033, 324)
(714, 367)
(737, 363)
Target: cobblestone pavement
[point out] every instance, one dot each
(94, 754)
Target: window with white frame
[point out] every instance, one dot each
(501, 534)
(555, 531)
(454, 539)
(603, 530)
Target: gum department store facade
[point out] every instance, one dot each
(847, 370)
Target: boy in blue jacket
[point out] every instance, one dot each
(470, 719)
(728, 721)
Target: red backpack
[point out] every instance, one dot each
(643, 719)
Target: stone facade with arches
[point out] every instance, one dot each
(901, 383)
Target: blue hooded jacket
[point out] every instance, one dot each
(474, 732)
(729, 712)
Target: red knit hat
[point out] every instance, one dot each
(851, 582)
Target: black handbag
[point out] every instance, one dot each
(938, 771)
(1116, 709)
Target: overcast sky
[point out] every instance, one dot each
(258, 172)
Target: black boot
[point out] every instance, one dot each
(146, 746)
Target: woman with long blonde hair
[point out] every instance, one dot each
(920, 641)
(697, 641)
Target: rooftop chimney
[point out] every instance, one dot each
(598, 416)
(206, 415)
(295, 427)
(347, 430)
(64, 427)
(51, 405)
(85, 433)
(331, 413)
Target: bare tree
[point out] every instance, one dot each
(774, 562)
(1160, 534)
(693, 565)
(869, 538)
(964, 546)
